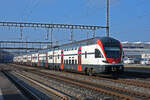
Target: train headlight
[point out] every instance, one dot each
(105, 61)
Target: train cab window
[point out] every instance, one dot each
(85, 54)
(98, 54)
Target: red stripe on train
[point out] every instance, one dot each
(79, 67)
(101, 46)
(62, 59)
(113, 60)
(46, 64)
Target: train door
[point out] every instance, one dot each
(31, 61)
(38, 61)
(53, 59)
(26, 60)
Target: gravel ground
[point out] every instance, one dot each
(130, 78)
(75, 91)
(141, 80)
(82, 77)
(42, 92)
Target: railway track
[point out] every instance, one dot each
(109, 90)
(132, 82)
(122, 81)
(119, 80)
(32, 95)
(22, 87)
(103, 91)
(57, 93)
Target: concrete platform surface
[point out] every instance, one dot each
(136, 66)
(8, 90)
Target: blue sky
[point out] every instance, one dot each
(129, 19)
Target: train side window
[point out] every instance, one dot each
(98, 54)
(58, 56)
(69, 61)
(85, 54)
(73, 61)
(66, 61)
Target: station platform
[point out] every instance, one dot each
(8, 91)
(136, 66)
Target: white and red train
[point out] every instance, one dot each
(95, 55)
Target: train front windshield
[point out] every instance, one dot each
(112, 52)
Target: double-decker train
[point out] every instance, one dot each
(91, 56)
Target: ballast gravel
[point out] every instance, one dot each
(94, 80)
(76, 92)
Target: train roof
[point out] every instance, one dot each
(75, 44)
(90, 41)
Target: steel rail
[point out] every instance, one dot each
(87, 85)
(24, 89)
(63, 96)
(137, 94)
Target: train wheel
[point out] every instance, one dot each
(86, 71)
(90, 72)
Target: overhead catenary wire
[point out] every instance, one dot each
(64, 26)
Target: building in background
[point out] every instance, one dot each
(146, 55)
(136, 49)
